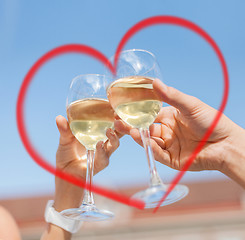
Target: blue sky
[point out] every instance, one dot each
(29, 29)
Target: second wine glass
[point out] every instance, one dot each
(90, 115)
(132, 97)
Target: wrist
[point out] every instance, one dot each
(234, 161)
(67, 195)
(54, 232)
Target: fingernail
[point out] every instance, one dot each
(112, 133)
(100, 144)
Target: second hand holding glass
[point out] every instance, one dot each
(135, 102)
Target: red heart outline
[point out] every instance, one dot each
(83, 49)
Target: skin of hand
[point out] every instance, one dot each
(71, 158)
(179, 128)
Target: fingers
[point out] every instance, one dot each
(185, 103)
(135, 134)
(156, 130)
(160, 142)
(104, 151)
(101, 159)
(112, 143)
(161, 155)
(122, 127)
(66, 135)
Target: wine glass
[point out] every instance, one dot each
(89, 115)
(132, 97)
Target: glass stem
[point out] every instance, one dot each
(154, 177)
(88, 195)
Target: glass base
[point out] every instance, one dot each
(152, 195)
(88, 213)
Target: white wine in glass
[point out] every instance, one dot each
(89, 119)
(132, 96)
(134, 100)
(89, 115)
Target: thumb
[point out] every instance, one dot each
(185, 103)
(66, 135)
